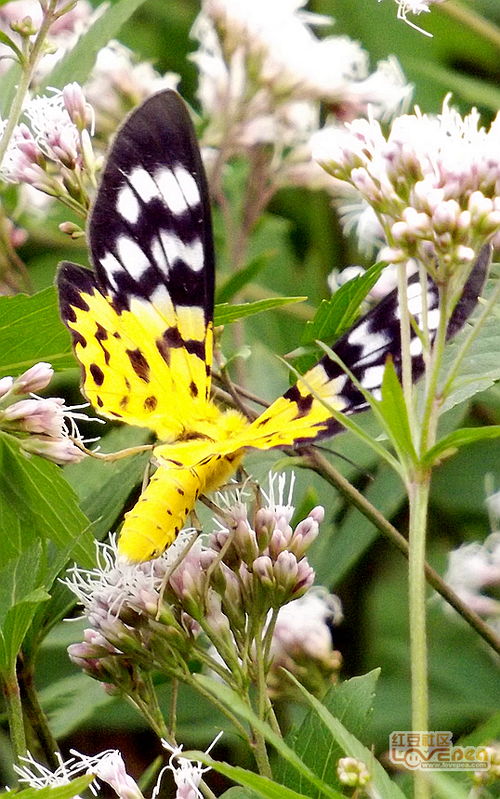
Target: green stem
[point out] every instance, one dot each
(28, 69)
(220, 706)
(14, 709)
(37, 718)
(312, 459)
(419, 500)
(474, 22)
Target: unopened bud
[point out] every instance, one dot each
(353, 772)
(57, 450)
(72, 230)
(6, 384)
(34, 379)
(24, 27)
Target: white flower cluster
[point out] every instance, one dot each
(263, 73)
(433, 181)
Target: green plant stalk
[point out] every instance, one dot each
(36, 717)
(418, 500)
(465, 15)
(312, 459)
(27, 71)
(14, 710)
(220, 706)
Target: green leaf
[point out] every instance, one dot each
(351, 746)
(225, 314)
(103, 487)
(236, 792)
(444, 786)
(231, 700)
(480, 368)
(262, 786)
(73, 788)
(36, 503)
(459, 438)
(336, 315)
(31, 331)
(351, 703)
(78, 62)
(236, 282)
(12, 45)
(393, 412)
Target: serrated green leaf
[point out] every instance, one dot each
(261, 785)
(351, 746)
(31, 331)
(73, 788)
(78, 62)
(36, 503)
(351, 703)
(239, 280)
(231, 700)
(459, 438)
(336, 315)
(20, 596)
(225, 314)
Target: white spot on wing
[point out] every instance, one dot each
(110, 264)
(372, 377)
(176, 250)
(188, 185)
(127, 204)
(433, 318)
(415, 305)
(171, 191)
(413, 290)
(143, 183)
(359, 334)
(416, 347)
(133, 259)
(158, 254)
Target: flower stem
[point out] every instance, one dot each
(474, 21)
(12, 696)
(313, 459)
(27, 71)
(36, 716)
(419, 500)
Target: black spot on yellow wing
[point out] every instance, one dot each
(150, 403)
(97, 374)
(193, 389)
(139, 364)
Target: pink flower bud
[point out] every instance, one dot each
(6, 384)
(57, 450)
(76, 105)
(263, 569)
(37, 416)
(304, 534)
(35, 379)
(286, 571)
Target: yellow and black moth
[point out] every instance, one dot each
(142, 328)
